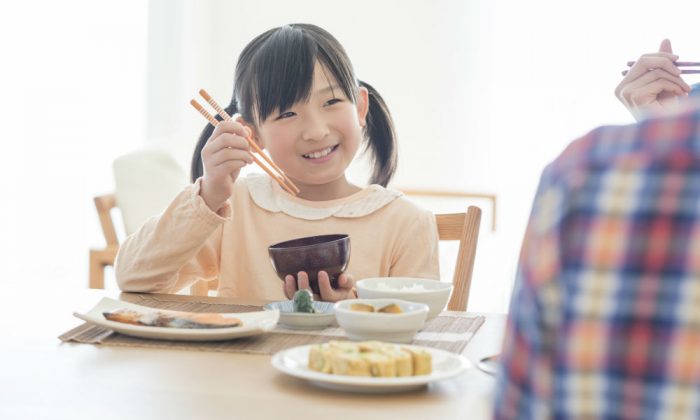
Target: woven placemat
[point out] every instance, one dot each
(449, 331)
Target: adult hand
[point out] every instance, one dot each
(653, 85)
(225, 153)
(346, 283)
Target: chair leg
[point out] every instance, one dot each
(97, 270)
(99, 260)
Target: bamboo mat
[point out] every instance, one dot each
(449, 331)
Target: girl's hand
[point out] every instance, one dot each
(344, 290)
(225, 153)
(653, 84)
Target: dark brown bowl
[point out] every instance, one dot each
(329, 253)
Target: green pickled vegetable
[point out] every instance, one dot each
(304, 301)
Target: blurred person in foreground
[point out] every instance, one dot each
(605, 318)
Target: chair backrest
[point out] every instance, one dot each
(462, 227)
(145, 181)
(104, 205)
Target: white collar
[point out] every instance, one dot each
(268, 195)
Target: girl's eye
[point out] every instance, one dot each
(332, 101)
(285, 115)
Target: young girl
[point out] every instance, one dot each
(296, 91)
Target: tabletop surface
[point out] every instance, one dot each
(42, 377)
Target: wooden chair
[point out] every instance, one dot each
(100, 258)
(462, 227)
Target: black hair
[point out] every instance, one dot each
(275, 70)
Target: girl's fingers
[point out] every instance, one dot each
(346, 281)
(344, 290)
(227, 155)
(231, 127)
(303, 280)
(226, 141)
(324, 286)
(290, 286)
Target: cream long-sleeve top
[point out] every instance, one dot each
(389, 237)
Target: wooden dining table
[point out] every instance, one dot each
(43, 377)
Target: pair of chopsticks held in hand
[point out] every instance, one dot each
(269, 166)
(678, 64)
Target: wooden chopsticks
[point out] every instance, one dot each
(279, 176)
(678, 64)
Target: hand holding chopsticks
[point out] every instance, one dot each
(269, 166)
(653, 85)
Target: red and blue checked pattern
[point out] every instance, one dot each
(605, 318)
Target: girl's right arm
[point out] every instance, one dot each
(225, 153)
(174, 249)
(182, 245)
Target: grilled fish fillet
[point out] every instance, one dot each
(172, 319)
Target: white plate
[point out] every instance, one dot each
(294, 362)
(253, 323)
(324, 316)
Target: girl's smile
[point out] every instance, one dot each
(321, 156)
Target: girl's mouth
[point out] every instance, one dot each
(321, 153)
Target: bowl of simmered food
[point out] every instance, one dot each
(433, 293)
(392, 320)
(329, 253)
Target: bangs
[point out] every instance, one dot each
(283, 70)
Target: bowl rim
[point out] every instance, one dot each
(442, 288)
(270, 307)
(279, 246)
(340, 310)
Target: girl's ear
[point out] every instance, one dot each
(362, 105)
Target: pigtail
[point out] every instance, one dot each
(197, 169)
(381, 138)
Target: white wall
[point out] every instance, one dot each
(73, 93)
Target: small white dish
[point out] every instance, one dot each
(324, 316)
(396, 328)
(253, 323)
(295, 362)
(433, 293)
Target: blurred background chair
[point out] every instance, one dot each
(145, 182)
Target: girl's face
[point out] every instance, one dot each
(314, 142)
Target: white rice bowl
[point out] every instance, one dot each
(431, 292)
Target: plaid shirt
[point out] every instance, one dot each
(605, 318)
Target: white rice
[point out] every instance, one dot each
(384, 286)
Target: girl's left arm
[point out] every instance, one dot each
(415, 253)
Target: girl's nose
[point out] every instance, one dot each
(315, 128)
